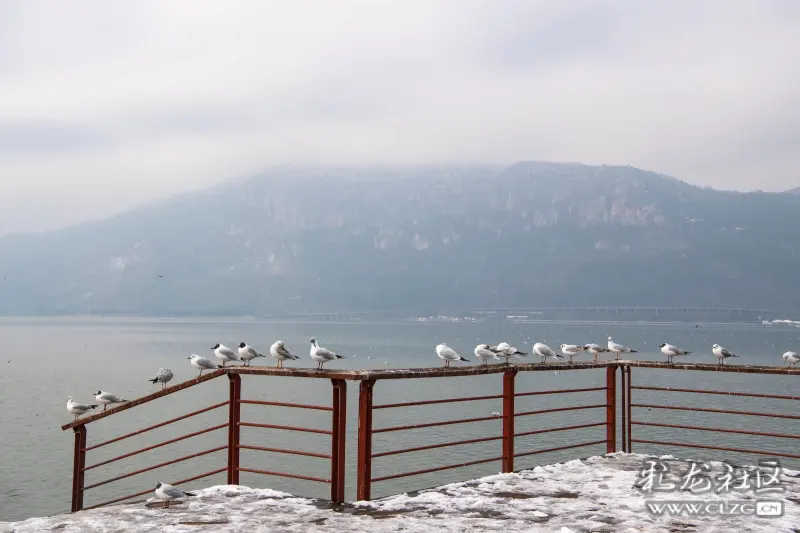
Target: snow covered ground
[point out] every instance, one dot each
(591, 495)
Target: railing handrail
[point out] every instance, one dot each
(418, 373)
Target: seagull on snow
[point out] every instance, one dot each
(321, 355)
(722, 353)
(167, 492)
(448, 354)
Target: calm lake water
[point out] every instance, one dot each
(44, 361)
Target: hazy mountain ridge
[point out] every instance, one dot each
(417, 239)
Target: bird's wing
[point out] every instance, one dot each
(251, 352)
(173, 492)
(110, 397)
(202, 361)
(726, 353)
(229, 353)
(325, 353)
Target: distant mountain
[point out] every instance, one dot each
(422, 239)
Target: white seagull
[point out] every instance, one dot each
(448, 354)
(671, 351)
(618, 349)
(791, 358)
(163, 376)
(571, 350)
(321, 355)
(278, 351)
(248, 353)
(201, 363)
(544, 351)
(483, 352)
(594, 349)
(78, 409)
(168, 493)
(505, 350)
(107, 398)
(722, 353)
(225, 354)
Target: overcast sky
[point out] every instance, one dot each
(105, 105)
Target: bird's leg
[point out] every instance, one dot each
(104, 407)
(201, 373)
(163, 386)
(595, 358)
(167, 506)
(570, 359)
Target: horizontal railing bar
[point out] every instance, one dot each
(162, 424)
(720, 448)
(432, 402)
(144, 399)
(147, 449)
(434, 424)
(721, 430)
(725, 393)
(562, 391)
(437, 469)
(558, 409)
(284, 474)
(565, 428)
(434, 446)
(284, 404)
(280, 450)
(559, 448)
(128, 497)
(737, 369)
(286, 428)
(166, 463)
(709, 410)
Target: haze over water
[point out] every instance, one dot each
(51, 359)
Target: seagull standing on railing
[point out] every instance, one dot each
(506, 350)
(722, 353)
(571, 350)
(78, 409)
(618, 349)
(225, 354)
(163, 376)
(202, 363)
(672, 351)
(107, 398)
(483, 352)
(278, 351)
(321, 355)
(248, 353)
(168, 493)
(544, 351)
(594, 349)
(448, 354)
(791, 358)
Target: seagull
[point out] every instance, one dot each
(169, 493)
(571, 350)
(163, 376)
(618, 348)
(225, 354)
(484, 353)
(321, 355)
(448, 354)
(594, 349)
(78, 409)
(791, 358)
(202, 363)
(722, 353)
(247, 353)
(278, 351)
(505, 350)
(671, 351)
(544, 351)
(107, 398)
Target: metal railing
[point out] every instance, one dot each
(602, 405)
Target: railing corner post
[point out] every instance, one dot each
(338, 440)
(508, 420)
(611, 409)
(364, 481)
(79, 463)
(234, 410)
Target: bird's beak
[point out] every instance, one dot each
(188, 358)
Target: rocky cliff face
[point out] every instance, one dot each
(418, 239)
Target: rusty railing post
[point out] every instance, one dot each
(79, 463)
(364, 481)
(623, 411)
(508, 420)
(628, 409)
(234, 411)
(338, 439)
(611, 409)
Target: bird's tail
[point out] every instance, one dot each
(260, 355)
(190, 493)
(462, 359)
(688, 353)
(634, 351)
(339, 356)
(520, 353)
(153, 380)
(94, 406)
(295, 356)
(558, 356)
(734, 355)
(124, 401)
